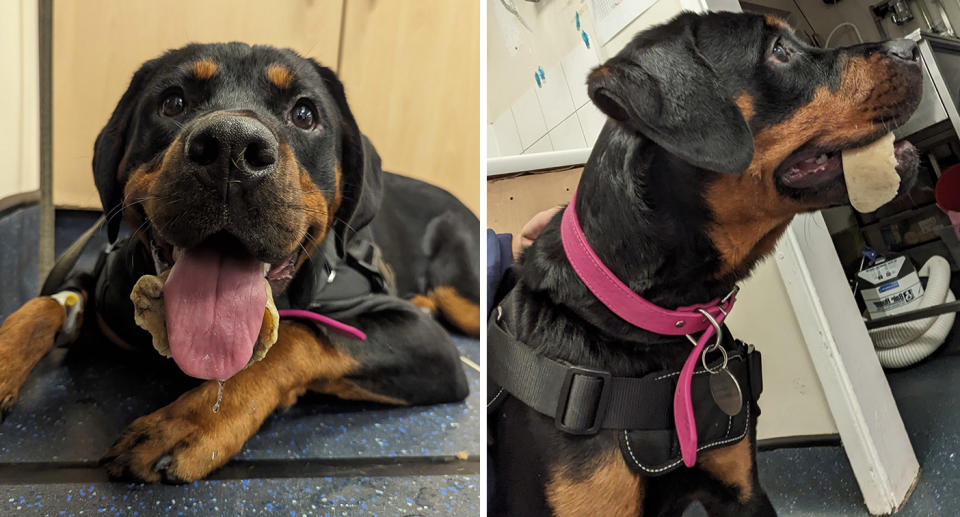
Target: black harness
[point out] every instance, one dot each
(583, 401)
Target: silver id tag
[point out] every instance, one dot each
(726, 392)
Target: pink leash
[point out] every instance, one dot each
(339, 327)
(630, 306)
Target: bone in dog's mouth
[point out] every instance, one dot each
(812, 167)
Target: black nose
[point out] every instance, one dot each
(903, 49)
(231, 147)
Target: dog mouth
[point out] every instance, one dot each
(278, 274)
(813, 168)
(214, 297)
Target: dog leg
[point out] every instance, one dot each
(453, 284)
(610, 489)
(187, 440)
(406, 359)
(25, 337)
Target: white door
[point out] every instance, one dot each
(855, 386)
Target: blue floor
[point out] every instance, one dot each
(321, 457)
(818, 481)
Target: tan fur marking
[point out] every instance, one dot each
(349, 390)
(423, 302)
(139, 184)
(748, 211)
(338, 194)
(204, 69)
(732, 466)
(318, 211)
(773, 21)
(25, 337)
(744, 101)
(290, 398)
(462, 313)
(280, 76)
(612, 489)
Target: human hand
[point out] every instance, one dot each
(532, 229)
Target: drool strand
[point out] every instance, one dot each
(216, 407)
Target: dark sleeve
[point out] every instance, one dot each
(499, 260)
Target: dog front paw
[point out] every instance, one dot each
(181, 443)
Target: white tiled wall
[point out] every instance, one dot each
(554, 116)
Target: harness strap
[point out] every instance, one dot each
(582, 400)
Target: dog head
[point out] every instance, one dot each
(251, 148)
(760, 114)
(234, 162)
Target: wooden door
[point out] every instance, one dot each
(99, 44)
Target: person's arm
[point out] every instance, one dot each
(503, 249)
(499, 260)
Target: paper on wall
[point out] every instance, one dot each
(611, 16)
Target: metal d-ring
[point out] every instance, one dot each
(715, 346)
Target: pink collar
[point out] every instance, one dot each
(633, 309)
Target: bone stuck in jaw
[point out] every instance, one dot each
(871, 174)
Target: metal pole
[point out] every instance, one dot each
(45, 244)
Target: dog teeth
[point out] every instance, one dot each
(266, 268)
(822, 159)
(177, 253)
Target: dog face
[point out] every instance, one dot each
(232, 163)
(763, 115)
(252, 150)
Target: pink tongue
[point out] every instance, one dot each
(214, 307)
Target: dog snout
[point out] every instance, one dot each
(903, 50)
(231, 148)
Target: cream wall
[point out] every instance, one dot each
(793, 402)
(99, 44)
(19, 98)
(411, 71)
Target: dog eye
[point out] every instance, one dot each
(779, 52)
(304, 115)
(172, 105)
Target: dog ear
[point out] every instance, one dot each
(110, 147)
(361, 184)
(666, 90)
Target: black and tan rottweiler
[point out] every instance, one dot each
(237, 165)
(721, 128)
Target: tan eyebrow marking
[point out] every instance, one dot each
(773, 21)
(280, 76)
(204, 69)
